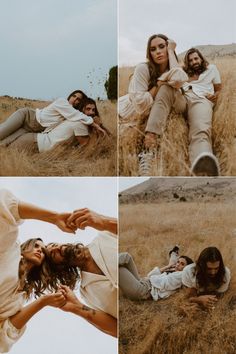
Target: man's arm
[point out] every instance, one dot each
(207, 301)
(217, 89)
(30, 211)
(82, 218)
(103, 321)
(20, 319)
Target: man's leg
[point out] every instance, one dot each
(202, 160)
(129, 282)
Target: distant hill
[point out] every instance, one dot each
(214, 51)
(181, 190)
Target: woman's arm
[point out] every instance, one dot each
(30, 211)
(172, 58)
(103, 321)
(20, 319)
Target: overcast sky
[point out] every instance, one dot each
(53, 331)
(188, 22)
(128, 182)
(49, 48)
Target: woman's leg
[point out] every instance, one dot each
(22, 118)
(129, 282)
(9, 140)
(166, 99)
(27, 140)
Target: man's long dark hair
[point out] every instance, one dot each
(190, 71)
(154, 69)
(209, 254)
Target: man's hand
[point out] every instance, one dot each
(99, 129)
(82, 218)
(207, 301)
(171, 44)
(212, 98)
(61, 221)
(71, 299)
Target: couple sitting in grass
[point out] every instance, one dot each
(77, 116)
(205, 281)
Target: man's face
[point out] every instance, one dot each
(213, 268)
(195, 61)
(56, 252)
(89, 110)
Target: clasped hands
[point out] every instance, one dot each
(64, 298)
(79, 219)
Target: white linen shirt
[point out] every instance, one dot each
(11, 301)
(139, 100)
(164, 284)
(204, 85)
(62, 132)
(57, 111)
(189, 278)
(100, 291)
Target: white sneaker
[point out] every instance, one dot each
(146, 163)
(205, 164)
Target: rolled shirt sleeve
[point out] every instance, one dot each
(59, 110)
(138, 100)
(9, 335)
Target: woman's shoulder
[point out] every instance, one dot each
(141, 67)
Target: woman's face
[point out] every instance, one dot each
(181, 263)
(76, 99)
(36, 255)
(158, 51)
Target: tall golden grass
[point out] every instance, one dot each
(172, 157)
(97, 159)
(172, 326)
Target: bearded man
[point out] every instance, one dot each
(201, 92)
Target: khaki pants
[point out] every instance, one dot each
(20, 122)
(200, 125)
(130, 283)
(199, 111)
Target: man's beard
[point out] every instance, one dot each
(74, 255)
(198, 69)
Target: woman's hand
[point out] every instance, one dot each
(71, 299)
(57, 299)
(171, 44)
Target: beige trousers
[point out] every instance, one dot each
(20, 122)
(199, 111)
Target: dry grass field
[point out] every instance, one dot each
(171, 326)
(97, 159)
(172, 157)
